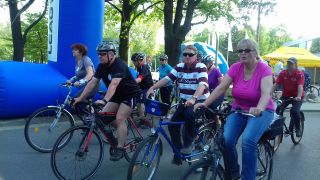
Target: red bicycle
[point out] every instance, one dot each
(81, 154)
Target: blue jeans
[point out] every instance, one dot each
(251, 128)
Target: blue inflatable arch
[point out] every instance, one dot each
(24, 87)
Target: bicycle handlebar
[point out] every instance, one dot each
(240, 111)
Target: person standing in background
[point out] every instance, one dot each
(164, 70)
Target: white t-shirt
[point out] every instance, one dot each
(278, 68)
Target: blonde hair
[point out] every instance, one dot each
(249, 44)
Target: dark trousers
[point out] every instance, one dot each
(165, 93)
(185, 114)
(294, 111)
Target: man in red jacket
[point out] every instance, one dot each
(292, 81)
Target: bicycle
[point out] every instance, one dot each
(214, 157)
(45, 125)
(82, 152)
(291, 129)
(148, 154)
(311, 89)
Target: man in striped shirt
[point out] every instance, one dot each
(192, 78)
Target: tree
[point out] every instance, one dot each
(130, 11)
(178, 16)
(263, 7)
(5, 42)
(37, 40)
(315, 46)
(19, 38)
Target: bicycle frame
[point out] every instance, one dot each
(61, 107)
(160, 130)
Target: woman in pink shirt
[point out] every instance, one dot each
(252, 84)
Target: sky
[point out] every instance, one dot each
(298, 16)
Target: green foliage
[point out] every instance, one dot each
(5, 42)
(143, 37)
(270, 39)
(37, 39)
(315, 47)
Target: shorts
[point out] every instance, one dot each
(143, 96)
(131, 101)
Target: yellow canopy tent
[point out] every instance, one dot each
(304, 57)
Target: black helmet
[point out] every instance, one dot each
(199, 56)
(106, 46)
(208, 59)
(164, 57)
(134, 56)
(140, 56)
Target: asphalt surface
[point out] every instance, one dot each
(291, 162)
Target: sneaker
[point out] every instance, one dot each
(177, 161)
(186, 150)
(117, 154)
(298, 132)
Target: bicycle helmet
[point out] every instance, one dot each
(164, 57)
(106, 46)
(207, 59)
(134, 56)
(199, 56)
(140, 56)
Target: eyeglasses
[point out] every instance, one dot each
(188, 54)
(162, 59)
(102, 54)
(244, 50)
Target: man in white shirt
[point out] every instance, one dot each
(278, 68)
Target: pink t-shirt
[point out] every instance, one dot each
(246, 93)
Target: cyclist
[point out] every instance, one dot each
(292, 81)
(121, 94)
(193, 85)
(252, 84)
(144, 81)
(84, 69)
(214, 78)
(164, 70)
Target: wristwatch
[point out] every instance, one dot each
(195, 97)
(105, 101)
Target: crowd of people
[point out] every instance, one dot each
(200, 83)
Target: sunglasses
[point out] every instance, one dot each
(188, 54)
(162, 60)
(102, 54)
(244, 50)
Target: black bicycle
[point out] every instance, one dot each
(212, 165)
(290, 130)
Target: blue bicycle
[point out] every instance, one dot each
(145, 161)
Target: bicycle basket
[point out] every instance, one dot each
(275, 128)
(156, 108)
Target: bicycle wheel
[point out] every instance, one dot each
(275, 143)
(44, 127)
(314, 90)
(204, 137)
(73, 160)
(204, 169)
(264, 162)
(133, 141)
(145, 161)
(294, 138)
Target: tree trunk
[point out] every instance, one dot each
(172, 49)
(258, 25)
(17, 40)
(124, 43)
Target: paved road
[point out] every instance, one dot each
(18, 161)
